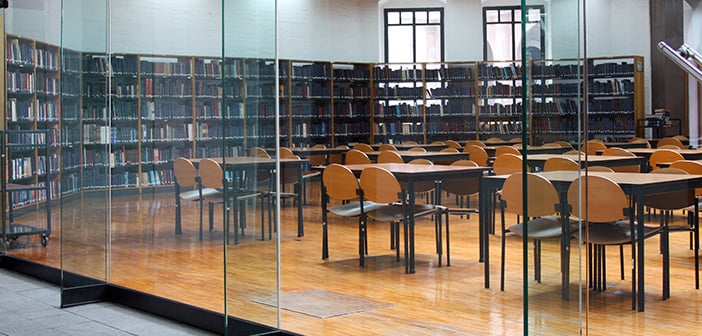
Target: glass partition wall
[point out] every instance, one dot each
(123, 89)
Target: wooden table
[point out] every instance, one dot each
(404, 147)
(531, 150)
(411, 174)
(431, 156)
(636, 185)
(537, 161)
(237, 165)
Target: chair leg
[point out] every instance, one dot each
(396, 238)
(604, 267)
(537, 260)
(392, 235)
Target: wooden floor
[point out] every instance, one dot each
(147, 256)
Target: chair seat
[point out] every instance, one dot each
(395, 212)
(194, 195)
(543, 227)
(615, 233)
(354, 208)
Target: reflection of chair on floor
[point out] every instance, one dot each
(543, 203)
(381, 186)
(212, 176)
(340, 184)
(186, 175)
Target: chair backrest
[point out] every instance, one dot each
(464, 186)
(564, 144)
(477, 154)
(286, 152)
(640, 140)
(420, 186)
(541, 194)
(380, 185)
(507, 150)
(410, 142)
(663, 155)
(475, 143)
(494, 140)
(517, 140)
(337, 158)
(386, 147)
(616, 151)
(259, 152)
(340, 182)
(438, 142)
(363, 147)
(449, 150)
(691, 167)
(670, 141)
(417, 149)
(673, 200)
(389, 156)
(318, 159)
(592, 146)
(552, 145)
(355, 156)
(288, 174)
(421, 162)
(603, 199)
(452, 144)
(185, 172)
(681, 137)
(506, 164)
(211, 174)
(561, 163)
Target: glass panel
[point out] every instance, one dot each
(406, 17)
(492, 16)
(428, 43)
(400, 45)
(506, 15)
(517, 15)
(420, 17)
(534, 15)
(252, 82)
(393, 17)
(434, 17)
(500, 42)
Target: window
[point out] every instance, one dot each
(503, 33)
(414, 35)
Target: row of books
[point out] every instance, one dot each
(451, 108)
(351, 109)
(346, 129)
(446, 127)
(612, 87)
(500, 90)
(351, 74)
(179, 67)
(310, 71)
(452, 90)
(216, 150)
(166, 110)
(501, 109)
(397, 92)
(125, 90)
(124, 65)
(161, 155)
(249, 67)
(208, 67)
(398, 127)
(47, 84)
(500, 127)
(46, 59)
(166, 88)
(20, 198)
(20, 82)
(20, 110)
(307, 90)
(20, 52)
(398, 110)
(495, 72)
(208, 89)
(352, 92)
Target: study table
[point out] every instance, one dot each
(237, 165)
(305, 152)
(636, 185)
(530, 150)
(411, 174)
(408, 156)
(404, 147)
(537, 161)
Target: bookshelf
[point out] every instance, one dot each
(308, 103)
(451, 102)
(499, 99)
(398, 115)
(351, 103)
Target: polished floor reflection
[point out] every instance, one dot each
(146, 255)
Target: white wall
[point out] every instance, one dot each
(693, 27)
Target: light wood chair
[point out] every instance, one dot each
(410, 142)
(507, 149)
(593, 146)
(463, 189)
(507, 164)
(449, 150)
(355, 156)
(561, 163)
(188, 188)
(694, 168)
(564, 144)
(542, 208)
(389, 156)
(452, 144)
(381, 186)
(475, 143)
(286, 152)
(553, 145)
(495, 140)
(438, 142)
(477, 154)
(318, 161)
(681, 137)
(616, 151)
(363, 147)
(337, 158)
(387, 147)
(670, 141)
(663, 155)
(340, 184)
(640, 140)
(417, 149)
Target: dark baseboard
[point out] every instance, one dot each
(89, 290)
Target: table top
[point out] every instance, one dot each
(424, 172)
(592, 160)
(531, 150)
(432, 156)
(429, 147)
(623, 179)
(251, 160)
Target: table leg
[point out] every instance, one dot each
(298, 186)
(639, 289)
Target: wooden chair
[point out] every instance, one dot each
(640, 140)
(670, 141)
(564, 144)
(381, 186)
(681, 137)
(438, 142)
(616, 151)
(340, 184)
(410, 142)
(495, 140)
(507, 164)
(517, 140)
(553, 145)
(463, 189)
(694, 168)
(452, 144)
(259, 152)
(591, 147)
(607, 218)
(356, 156)
(389, 156)
(561, 163)
(663, 155)
(417, 149)
(363, 147)
(286, 152)
(186, 176)
(475, 143)
(507, 149)
(387, 147)
(477, 154)
(337, 158)
(542, 208)
(212, 176)
(318, 161)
